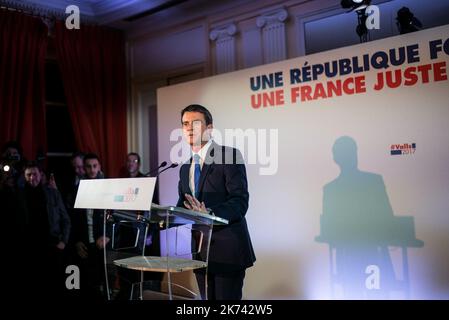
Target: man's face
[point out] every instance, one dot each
(92, 167)
(194, 128)
(33, 177)
(78, 167)
(132, 164)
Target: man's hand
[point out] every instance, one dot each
(102, 242)
(52, 182)
(60, 245)
(81, 249)
(192, 203)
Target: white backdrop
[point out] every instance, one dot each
(285, 207)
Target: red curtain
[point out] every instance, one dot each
(92, 61)
(23, 46)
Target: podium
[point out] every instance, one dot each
(184, 239)
(149, 247)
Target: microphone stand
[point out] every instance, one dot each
(173, 165)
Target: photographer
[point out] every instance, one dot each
(11, 164)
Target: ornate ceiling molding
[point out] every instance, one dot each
(222, 32)
(93, 11)
(272, 17)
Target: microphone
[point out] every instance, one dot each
(173, 165)
(149, 173)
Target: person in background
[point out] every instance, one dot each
(12, 156)
(78, 173)
(89, 239)
(48, 228)
(77, 162)
(133, 166)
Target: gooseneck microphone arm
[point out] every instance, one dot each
(173, 165)
(149, 173)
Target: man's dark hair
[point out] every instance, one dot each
(135, 154)
(198, 108)
(77, 154)
(14, 145)
(90, 156)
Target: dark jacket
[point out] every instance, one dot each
(223, 187)
(80, 227)
(58, 220)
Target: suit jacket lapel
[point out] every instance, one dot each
(185, 179)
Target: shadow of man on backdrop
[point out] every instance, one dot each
(358, 224)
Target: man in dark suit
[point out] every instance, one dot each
(89, 238)
(215, 179)
(47, 233)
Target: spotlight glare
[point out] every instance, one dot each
(355, 5)
(6, 168)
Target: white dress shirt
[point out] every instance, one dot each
(202, 153)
